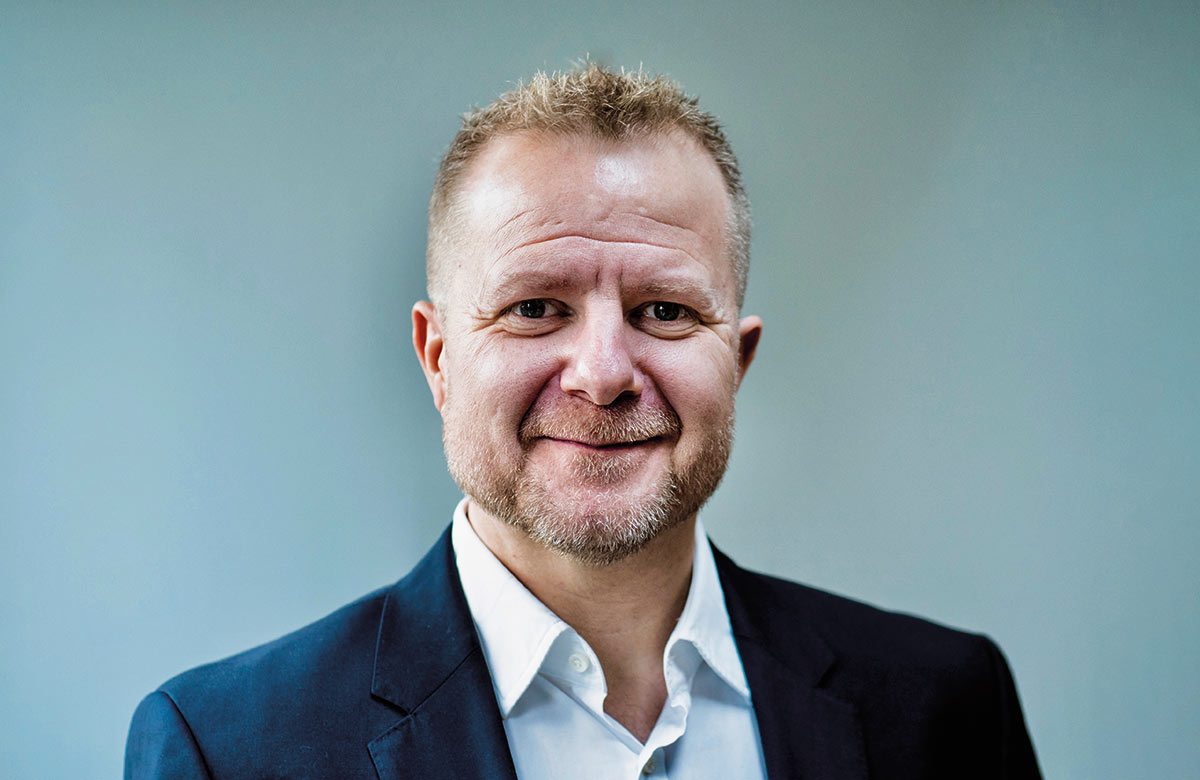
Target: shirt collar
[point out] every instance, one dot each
(517, 631)
(704, 622)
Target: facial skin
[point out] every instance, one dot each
(588, 347)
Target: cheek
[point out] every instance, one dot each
(498, 384)
(698, 383)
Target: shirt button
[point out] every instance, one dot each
(648, 769)
(578, 662)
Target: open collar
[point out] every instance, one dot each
(518, 632)
(515, 629)
(430, 666)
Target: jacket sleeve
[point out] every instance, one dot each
(1017, 759)
(161, 744)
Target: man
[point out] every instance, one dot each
(587, 260)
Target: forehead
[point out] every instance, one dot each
(527, 190)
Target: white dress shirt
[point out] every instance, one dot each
(551, 689)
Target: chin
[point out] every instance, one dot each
(596, 525)
(596, 510)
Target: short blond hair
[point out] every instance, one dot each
(587, 101)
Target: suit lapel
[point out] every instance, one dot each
(807, 732)
(429, 664)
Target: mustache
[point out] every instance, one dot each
(625, 421)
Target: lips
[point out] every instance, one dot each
(603, 445)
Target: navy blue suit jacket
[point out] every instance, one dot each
(395, 685)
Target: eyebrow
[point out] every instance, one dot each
(689, 289)
(544, 282)
(525, 280)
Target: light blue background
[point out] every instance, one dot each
(976, 253)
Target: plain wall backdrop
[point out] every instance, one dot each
(976, 252)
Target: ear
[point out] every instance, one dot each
(430, 346)
(750, 329)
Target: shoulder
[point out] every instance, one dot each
(868, 647)
(340, 645)
(308, 703)
(943, 698)
(296, 700)
(852, 625)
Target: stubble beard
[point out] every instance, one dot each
(593, 520)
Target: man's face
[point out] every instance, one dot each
(588, 349)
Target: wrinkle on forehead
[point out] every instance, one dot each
(673, 245)
(665, 222)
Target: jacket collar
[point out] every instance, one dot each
(805, 729)
(429, 664)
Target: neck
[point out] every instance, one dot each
(625, 611)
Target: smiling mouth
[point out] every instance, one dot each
(615, 446)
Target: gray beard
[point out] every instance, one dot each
(609, 530)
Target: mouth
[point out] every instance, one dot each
(604, 446)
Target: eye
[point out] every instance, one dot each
(534, 316)
(664, 311)
(664, 318)
(534, 309)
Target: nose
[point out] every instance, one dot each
(600, 366)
